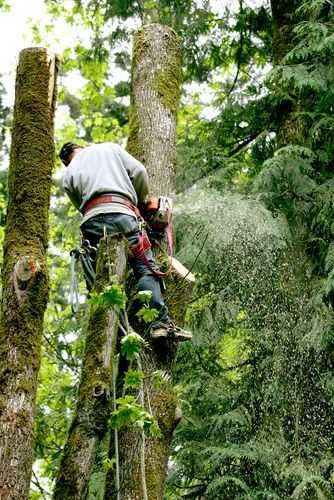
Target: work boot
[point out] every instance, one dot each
(164, 330)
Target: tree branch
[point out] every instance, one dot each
(38, 485)
(244, 143)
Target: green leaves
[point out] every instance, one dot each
(131, 345)
(131, 413)
(146, 313)
(144, 296)
(108, 463)
(4, 6)
(112, 295)
(133, 379)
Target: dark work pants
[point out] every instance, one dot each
(114, 223)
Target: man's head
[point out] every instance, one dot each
(68, 151)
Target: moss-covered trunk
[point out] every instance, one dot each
(156, 80)
(24, 275)
(90, 422)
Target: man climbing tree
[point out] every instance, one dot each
(106, 184)
(156, 150)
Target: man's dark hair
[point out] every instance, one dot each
(66, 150)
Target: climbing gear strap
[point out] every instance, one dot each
(139, 250)
(110, 198)
(74, 286)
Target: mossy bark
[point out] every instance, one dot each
(90, 422)
(146, 460)
(156, 80)
(24, 275)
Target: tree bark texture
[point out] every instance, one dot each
(156, 80)
(24, 275)
(90, 422)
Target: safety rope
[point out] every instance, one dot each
(74, 284)
(114, 374)
(117, 468)
(142, 451)
(169, 233)
(125, 327)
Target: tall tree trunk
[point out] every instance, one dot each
(156, 80)
(24, 276)
(90, 422)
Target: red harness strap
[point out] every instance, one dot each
(139, 250)
(109, 198)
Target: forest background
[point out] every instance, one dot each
(253, 220)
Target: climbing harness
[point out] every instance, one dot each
(157, 213)
(139, 251)
(109, 198)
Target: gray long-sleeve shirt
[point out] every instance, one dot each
(105, 168)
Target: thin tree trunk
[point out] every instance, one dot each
(90, 422)
(24, 276)
(156, 80)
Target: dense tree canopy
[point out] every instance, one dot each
(253, 221)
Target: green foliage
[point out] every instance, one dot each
(286, 179)
(109, 464)
(129, 412)
(112, 295)
(133, 379)
(131, 345)
(305, 483)
(146, 313)
(4, 5)
(144, 296)
(55, 400)
(234, 351)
